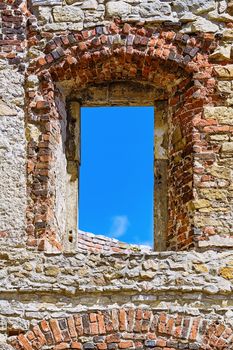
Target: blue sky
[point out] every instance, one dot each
(116, 177)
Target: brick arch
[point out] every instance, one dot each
(135, 52)
(118, 52)
(162, 43)
(126, 328)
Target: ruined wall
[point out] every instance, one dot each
(12, 127)
(105, 294)
(192, 290)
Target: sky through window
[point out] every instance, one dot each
(116, 175)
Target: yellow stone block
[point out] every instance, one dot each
(200, 268)
(226, 272)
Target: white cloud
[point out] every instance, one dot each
(146, 244)
(120, 224)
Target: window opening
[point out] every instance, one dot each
(116, 173)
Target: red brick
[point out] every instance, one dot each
(194, 329)
(161, 342)
(125, 344)
(76, 345)
(40, 336)
(101, 324)
(94, 328)
(93, 317)
(62, 346)
(24, 342)
(71, 327)
(56, 330)
(122, 320)
(101, 346)
(44, 326)
(113, 338)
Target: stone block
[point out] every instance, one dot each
(219, 137)
(193, 6)
(203, 25)
(46, 2)
(213, 194)
(216, 241)
(227, 147)
(221, 172)
(155, 9)
(222, 53)
(224, 71)
(201, 203)
(5, 110)
(226, 272)
(225, 86)
(224, 115)
(89, 5)
(200, 268)
(67, 14)
(219, 17)
(227, 34)
(52, 271)
(117, 8)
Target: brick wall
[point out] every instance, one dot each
(164, 57)
(127, 328)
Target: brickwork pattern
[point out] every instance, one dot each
(122, 52)
(126, 329)
(13, 39)
(102, 244)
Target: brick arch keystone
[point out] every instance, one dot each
(126, 328)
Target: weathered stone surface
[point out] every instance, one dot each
(51, 271)
(200, 268)
(225, 86)
(12, 155)
(5, 346)
(222, 53)
(155, 9)
(213, 194)
(193, 6)
(224, 71)
(226, 272)
(201, 203)
(223, 17)
(227, 34)
(6, 110)
(216, 242)
(89, 5)
(220, 172)
(67, 14)
(224, 115)
(46, 2)
(227, 147)
(121, 8)
(203, 25)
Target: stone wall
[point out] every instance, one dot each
(192, 290)
(12, 127)
(191, 15)
(104, 294)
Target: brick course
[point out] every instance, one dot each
(163, 331)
